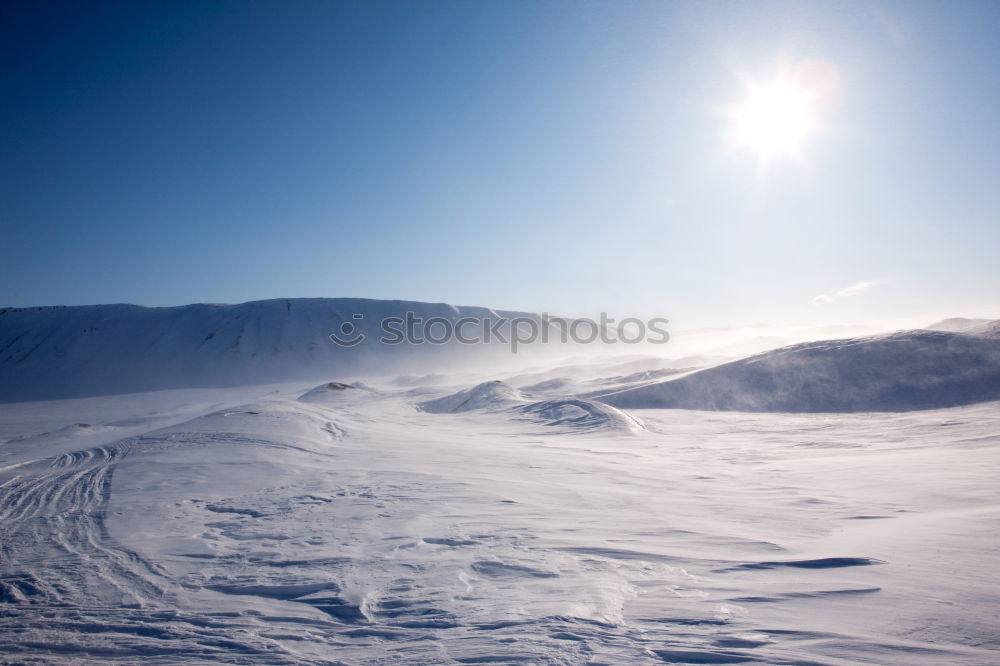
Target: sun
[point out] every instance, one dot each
(779, 115)
(775, 119)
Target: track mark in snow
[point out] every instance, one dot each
(59, 515)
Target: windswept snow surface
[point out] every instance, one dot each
(902, 371)
(303, 524)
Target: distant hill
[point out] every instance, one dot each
(63, 352)
(990, 327)
(903, 371)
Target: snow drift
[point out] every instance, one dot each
(335, 392)
(570, 414)
(494, 394)
(581, 415)
(903, 371)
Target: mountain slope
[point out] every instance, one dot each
(982, 327)
(898, 372)
(60, 352)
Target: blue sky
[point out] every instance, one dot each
(561, 156)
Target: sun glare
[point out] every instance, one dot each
(776, 118)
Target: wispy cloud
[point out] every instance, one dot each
(853, 290)
(846, 292)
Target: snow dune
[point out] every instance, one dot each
(488, 395)
(582, 415)
(336, 393)
(500, 398)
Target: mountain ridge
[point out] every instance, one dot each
(49, 352)
(901, 371)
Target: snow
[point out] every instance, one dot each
(253, 526)
(469, 514)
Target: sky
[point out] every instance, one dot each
(569, 157)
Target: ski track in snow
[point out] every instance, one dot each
(361, 530)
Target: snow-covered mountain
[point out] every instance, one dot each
(66, 352)
(988, 327)
(907, 370)
(61, 352)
